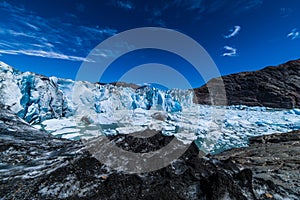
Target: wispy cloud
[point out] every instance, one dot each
(44, 54)
(155, 14)
(233, 32)
(157, 22)
(208, 6)
(201, 6)
(251, 4)
(126, 5)
(98, 31)
(230, 51)
(18, 34)
(13, 9)
(25, 33)
(294, 34)
(32, 26)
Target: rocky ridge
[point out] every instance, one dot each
(276, 87)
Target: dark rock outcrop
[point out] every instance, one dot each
(276, 87)
(275, 163)
(35, 165)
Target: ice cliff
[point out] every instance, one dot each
(36, 98)
(78, 110)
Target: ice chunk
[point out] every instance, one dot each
(63, 106)
(130, 129)
(71, 135)
(9, 90)
(296, 111)
(58, 124)
(65, 131)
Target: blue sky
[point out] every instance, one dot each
(53, 37)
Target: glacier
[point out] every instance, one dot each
(81, 110)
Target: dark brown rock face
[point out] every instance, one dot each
(276, 87)
(275, 163)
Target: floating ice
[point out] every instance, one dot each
(81, 109)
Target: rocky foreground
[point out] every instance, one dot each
(35, 165)
(274, 161)
(276, 87)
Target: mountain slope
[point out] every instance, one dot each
(277, 87)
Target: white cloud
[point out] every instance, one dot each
(44, 54)
(4, 44)
(98, 31)
(157, 22)
(32, 26)
(230, 51)
(10, 8)
(251, 4)
(208, 7)
(21, 34)
(234, 31)
(127, 5)
(294, 34)
(16, 34)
